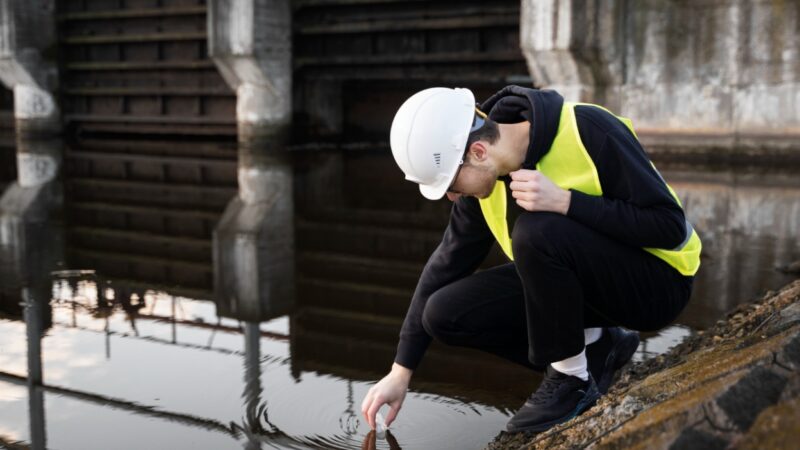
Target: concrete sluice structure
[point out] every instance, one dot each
(183, 118)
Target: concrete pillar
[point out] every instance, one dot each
(701, 75)
(250, 43)
(27, 40)
(572, 46)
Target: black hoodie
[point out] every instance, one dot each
(636, 207)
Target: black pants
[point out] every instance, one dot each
(565, 277)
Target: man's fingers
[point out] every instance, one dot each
(365, 403)
(525, 196)
(527, 185)
(373, 409)
(520, 175)
(523, 175)
(519, 185)
(365, 411)
(393, 411)
(526, 205)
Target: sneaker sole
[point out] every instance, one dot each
(586, 402)
(620, 354)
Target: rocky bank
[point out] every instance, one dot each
(735, 385)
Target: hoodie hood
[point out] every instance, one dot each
(542, 108)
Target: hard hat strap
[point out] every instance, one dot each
(478, 121)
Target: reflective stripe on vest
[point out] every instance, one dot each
(569, 166)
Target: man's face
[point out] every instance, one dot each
(474, 179)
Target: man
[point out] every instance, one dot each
(596, 237)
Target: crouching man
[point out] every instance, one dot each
(596, 240)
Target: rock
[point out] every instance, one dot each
(775, 428)
(747, 398)
(692, 439)
(790, 314)
(790, 356)
(729, 386)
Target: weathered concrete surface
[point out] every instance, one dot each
(27, 64)
(250, 43)
(700, 75)
(734, 385)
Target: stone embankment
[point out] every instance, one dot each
(735, 385)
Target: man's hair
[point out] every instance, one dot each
(488, 132)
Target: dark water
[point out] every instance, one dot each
(126, 366)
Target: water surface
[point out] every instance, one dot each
(129, 366)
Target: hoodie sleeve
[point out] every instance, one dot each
(464, 246)
(636, 206)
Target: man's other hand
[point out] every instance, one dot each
(533, 191)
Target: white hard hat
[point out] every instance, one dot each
(429, 135)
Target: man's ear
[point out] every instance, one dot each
(478, 151)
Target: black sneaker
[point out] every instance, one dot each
(612, 351)
(558, 399)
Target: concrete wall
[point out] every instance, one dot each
(718, 73)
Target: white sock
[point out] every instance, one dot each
(574, 365)
(591, 335)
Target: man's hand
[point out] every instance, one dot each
(391, 390)
(535, 192)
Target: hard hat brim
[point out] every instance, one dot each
(437, 190)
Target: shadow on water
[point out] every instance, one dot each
(89, 361)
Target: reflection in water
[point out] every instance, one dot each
(181, 372)
(749, 223)
(34, 323)
(151, 357)
(654, 344)
(348, 421)
(371, 441)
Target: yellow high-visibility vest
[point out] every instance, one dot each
(569, 166)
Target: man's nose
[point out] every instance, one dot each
(452, 196)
